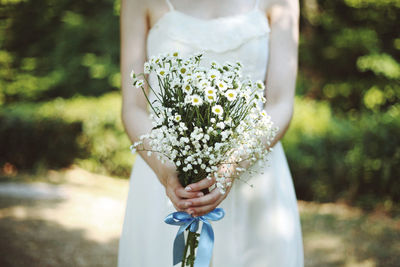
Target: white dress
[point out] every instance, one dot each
(261, 227)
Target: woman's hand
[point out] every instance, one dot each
(180, 198)
(204, 204)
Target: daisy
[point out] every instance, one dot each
(147, 68)
(210, 91)
(211, 98)
(204, 83)
(177, 118)
(231, 95)
(222, 85)
(217, 110)
(138, 83)
(161, 72)
(196, 100)
(199, 76)
(260, 85)
(213, 74)
(187, 88)
(183, 70)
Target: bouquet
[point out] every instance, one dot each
(203, 118)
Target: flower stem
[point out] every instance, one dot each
(189, 246)
(192, 247)
(186, 250)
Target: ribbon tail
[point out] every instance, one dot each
(205, 247)
(179, 245)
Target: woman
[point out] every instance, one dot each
(261, 226)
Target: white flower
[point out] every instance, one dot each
(187, 88)
(133, 74)
(199, 76)
(196, 100)
(187, 79)
(162, 72)
(204, 83)
(217, 110)
(211, 98)
(260, 85)
(210, 94)
(183, 70)
(214, 65)
(222, 86)
(210, 91)
(231, 95)
(138, 83)
(183, 126)
(225, 134)
(259, 95)
(221, 125)
(263, 99)
(177, 118)
(213, 74)
(146, 68)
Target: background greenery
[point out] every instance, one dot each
(60, 100)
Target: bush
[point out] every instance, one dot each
(356, 159)
(39, 142)
(85, 131)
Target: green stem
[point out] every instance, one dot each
(192, 247)
(186, 250)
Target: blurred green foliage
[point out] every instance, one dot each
(349, 53)
(58, 48)
(59, 66)
(356, 159)
(82, 130)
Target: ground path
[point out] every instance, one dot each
(74, 218)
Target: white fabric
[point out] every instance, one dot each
(261, 227)
(171, 7)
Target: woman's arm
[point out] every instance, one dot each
(282, 69)
(281, 79)
(135, 117)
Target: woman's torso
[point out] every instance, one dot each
(240, 37)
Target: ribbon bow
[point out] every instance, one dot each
(206, 242)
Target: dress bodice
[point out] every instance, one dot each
(242, 37)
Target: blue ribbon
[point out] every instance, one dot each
(206, 242)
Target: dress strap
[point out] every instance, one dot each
(255, 4)
(171, 7)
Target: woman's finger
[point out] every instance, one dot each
(200, 185)
(200, 211)
(182, 193)
(179, 203)
(208, 199)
